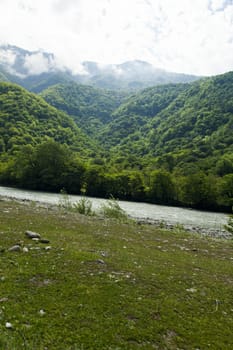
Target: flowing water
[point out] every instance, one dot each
(144, 211)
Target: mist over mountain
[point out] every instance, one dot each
(37, 70)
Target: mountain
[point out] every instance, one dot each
(168, 144)
(195, 128)
(132, 75)
(26, 118)
(186, 123)
(137, 110)
(91, 108)
(37, 70)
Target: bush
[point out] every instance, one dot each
(113, 210)
(84, 206)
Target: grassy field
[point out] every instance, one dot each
(101, 284)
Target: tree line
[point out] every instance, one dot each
(51, 166)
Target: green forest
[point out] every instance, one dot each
(169, 144)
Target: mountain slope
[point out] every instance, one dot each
(27, 119)
(197, 124)
(136, 112)
(91, 108)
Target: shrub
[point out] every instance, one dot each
(83, 206)
(113, 210)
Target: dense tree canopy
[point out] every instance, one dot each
(169, 144)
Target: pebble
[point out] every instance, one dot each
(43, 240)
(25, 250)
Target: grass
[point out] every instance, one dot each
(104, 284)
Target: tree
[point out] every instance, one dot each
(199, 191)
(226, 190)
(161, 188)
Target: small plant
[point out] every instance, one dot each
(229, 225)
(84, 207)
(113, 210)
(179, 227)
(64, 201)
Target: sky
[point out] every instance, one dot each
(189, 36)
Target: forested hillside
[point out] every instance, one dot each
(39, 145)
(91, 108)
(170, 144)
(195, 129)
(137, 111)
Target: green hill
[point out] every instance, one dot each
(136, 112)
(90, 107)
(40, 147)
(27, 119)
(193, 127)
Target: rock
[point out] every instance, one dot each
(100, 261)
(35, 239)
(3, 300)
(25, 250)
(8, 325)
(15, 248)
(43, 240)
(31, 234)
(48, 247)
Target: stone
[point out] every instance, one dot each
(8, 325)
(15, 248)
(43, 240)
(100, 261)
(31, 234)
(25, 250)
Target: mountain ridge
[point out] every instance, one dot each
(31, 68)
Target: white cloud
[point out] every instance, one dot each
(37, 63)
(182, 35)
(7, 57)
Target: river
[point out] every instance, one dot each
(144, 211)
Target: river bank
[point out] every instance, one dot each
(214, 232)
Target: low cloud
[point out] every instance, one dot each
(37, 63)
(7, 57)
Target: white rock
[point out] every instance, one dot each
(9, 325)
(191, 290)
(15, 248)
(25, 250)
(31, 234)
(42, 312)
